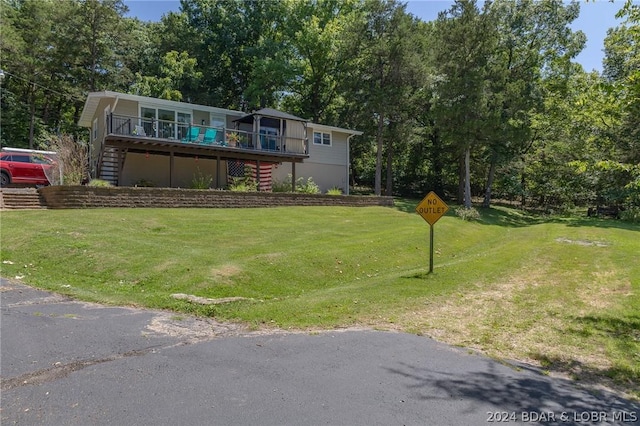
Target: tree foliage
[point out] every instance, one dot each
(484, 101)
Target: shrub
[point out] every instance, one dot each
(99, 183)
(306, 187)
(246, 183)
(334, 191)
(201, 181)
(281, 186)
(631, 214)
(70, 162)
(243, 185)
(468, 213)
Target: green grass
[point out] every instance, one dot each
(561, 292)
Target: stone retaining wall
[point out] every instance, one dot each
(83, 197)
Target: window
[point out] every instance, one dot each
(40, 160)
(184, 122)
(18, 158)
(320, 138)
(94, 130)
(166, 119)
(164, 123)
(148, 121)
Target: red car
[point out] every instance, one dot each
(24, 167)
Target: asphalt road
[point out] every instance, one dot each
(71, 363)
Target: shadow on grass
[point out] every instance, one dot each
(624, 335)
(491, 216)
(419, 275)
(618, 377)
(516, 218)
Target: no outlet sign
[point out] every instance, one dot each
(432, 208)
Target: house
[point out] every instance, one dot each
(138, 140)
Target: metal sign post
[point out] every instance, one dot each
(431, 208)
(431, 248)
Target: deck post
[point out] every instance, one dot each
(122, 155)
(293, 176)
(217, 182)
(258, 175)
(171, 169)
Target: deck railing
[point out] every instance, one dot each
(172, 131)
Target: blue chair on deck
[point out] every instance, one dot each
(194, 133)
(209, 136)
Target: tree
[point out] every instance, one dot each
(465, 38)
(533, 38)
(177, 70)
(48, 74)
(101, 38)
(239, 47)
(316, 32)
(383, 73)
(30, 27)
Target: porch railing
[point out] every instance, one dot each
(173, 131)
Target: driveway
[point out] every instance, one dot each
(72, 363)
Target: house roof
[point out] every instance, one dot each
(269, 112)
(94, 98)
(274, 113)
(93, 102)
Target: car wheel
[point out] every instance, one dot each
(4, 179)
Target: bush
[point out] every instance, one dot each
(631, 214)
(246, 183)
(467, 213)
(282, 186)
(99, 183)
(201, 181)
(306, 187)
(334, 191)
(243, 185)
(70, 162)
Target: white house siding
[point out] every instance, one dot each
(127, 108)
(326, 176)
(155, 169)
(336, 153)
(327, 165)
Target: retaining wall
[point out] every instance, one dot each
(84, 197)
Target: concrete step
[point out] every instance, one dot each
(20, 198)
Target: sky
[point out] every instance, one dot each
(596, 17)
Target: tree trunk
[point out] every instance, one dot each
(389, 187)
(486, 203)
(379, 140)
(436, 162)
(467, 177)
(461, 179)
(32, 117)
(523, 185)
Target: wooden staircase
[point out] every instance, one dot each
(20, 198)
(108, 168)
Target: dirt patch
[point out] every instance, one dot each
(206, 301)
(193, 329)
(225, 273)
(583, 242)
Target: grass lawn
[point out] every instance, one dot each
(563, 293)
